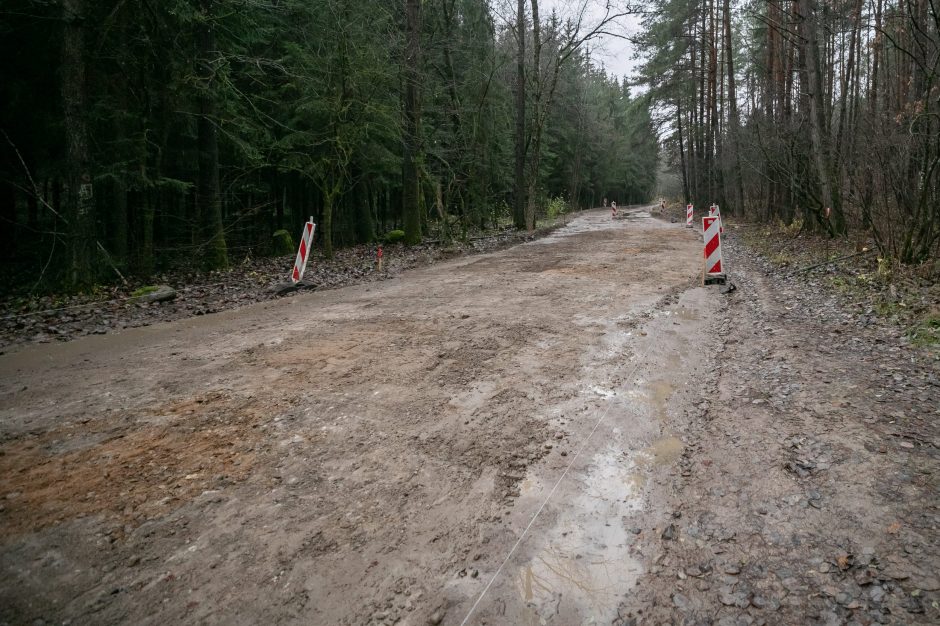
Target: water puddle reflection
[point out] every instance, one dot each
(661, 452)
(584, 567)
(658, 395)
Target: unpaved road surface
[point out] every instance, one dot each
(569, 431)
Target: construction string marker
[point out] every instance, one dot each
(306, 242)
(714, 272)
(688, 216)
(613, 210)
(640, 360)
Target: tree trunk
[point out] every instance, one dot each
(685, 177)
(79, 201)
(10, 224)
(733, 121)
(410, 167)
(207, 199)
(519, 198)
(819, 134)
(535, 137)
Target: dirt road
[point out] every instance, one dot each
(499, 439)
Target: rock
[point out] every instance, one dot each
(680, 601)
(760, 602)
(863, 577)
(559, 435)
(281, 243)
(926, 583)
(726, 595)
(436, 618)
(671, 533)
(161, 293)
(740, 599)
(897, 572)
(876, 593)
(913, 604)
(734, 570)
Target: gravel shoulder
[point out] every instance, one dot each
(808, 492)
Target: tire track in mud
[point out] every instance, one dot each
(578, 565)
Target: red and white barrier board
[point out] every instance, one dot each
(306, 243)
(715, 211)
(688, 216)
(711, 226)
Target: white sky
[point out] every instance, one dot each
(614, 53)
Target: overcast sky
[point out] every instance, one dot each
(614, 53)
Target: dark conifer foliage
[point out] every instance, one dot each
(149, 135)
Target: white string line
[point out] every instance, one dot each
(552, 492)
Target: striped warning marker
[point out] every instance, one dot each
(711, 226)
(715, 211)
(688, 216)
(306, 242)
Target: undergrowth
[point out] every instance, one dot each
(906, 295)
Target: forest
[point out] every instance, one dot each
(139, 136)
(820, 114)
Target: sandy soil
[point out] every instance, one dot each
(514, 438)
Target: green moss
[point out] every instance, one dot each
(394, 236)
(143, 291)
(283, 243)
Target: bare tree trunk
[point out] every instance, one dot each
(535, 137)
(410, 169)
(846, 86)
(734, 122)
(818, 130)
(693, 131)
(207, 193)
(519, 203)
(685, 177)
(79, 200)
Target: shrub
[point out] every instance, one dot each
(556, 206)
(394, 236)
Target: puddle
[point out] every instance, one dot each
(662, 452)
(687, 314)
(658, 396)
(583, 567)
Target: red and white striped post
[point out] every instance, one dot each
(716, 212)
(711, 226)
(306, 243)
(688, 216)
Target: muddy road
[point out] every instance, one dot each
(496, 439)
